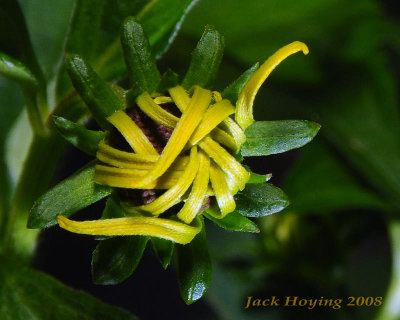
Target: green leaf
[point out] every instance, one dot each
(113, 208)
(233, 90)
(15, 70)
(80, 137)
(259, 178)
(234, 221)
(27, 294)
(168, 80)
(100, 98)
(205, 60)
(142, 69)
(69, 196)
(115, 259)
(164, 250)
(162, 21)
(258, 200)
(270, 137)
(14, 37)
(96, 24)
(194, 268)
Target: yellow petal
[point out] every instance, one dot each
(122, 159)
(129, 160)
(224, 138)
(213, 116)
(132, 133)
(244, 104)
(180, 97)
(162, 100)
(231, 127)
(174, 194)
(130, 178)
(190, 119)
(143, 226)
(226, 161)
(225, 200)
(198, 192)
(155, 112)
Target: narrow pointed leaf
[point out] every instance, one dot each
(234, 221)
(14, 37)
(29, 294)
(115, 259)
(164, 250)
(205, 60)
(168, 80)
(194, 268)
(100, 98)
(142, 69)
(69, 196)
(80, 137)
(258, 200)
(15, 70)
(271, 137)
(113, 208)
(233, 90)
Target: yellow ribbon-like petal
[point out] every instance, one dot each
(130, 178)
(132, 133)
(144, 226)
(190, 119)
(244, 104)
(225, 200)
(174, 194)
(198, 192)
(226, 161)
(213, 116)
(155, 112)
(129, 160)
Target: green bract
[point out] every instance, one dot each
(168, 155)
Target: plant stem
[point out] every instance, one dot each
(391, 304)
(36, 176)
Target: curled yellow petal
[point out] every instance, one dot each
(144, 226)
(174, 194)
(231, 127)
(244, 104)
(132, 133)
(224, 138)
(123, 159)
(130, 178)
(213, 116)
(226, 161)
(225, 200)
(129, 160)
(190, 119)
(155, 112)
(198, 192)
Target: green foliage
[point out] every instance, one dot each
(270, 137)
(164, 250)
(97, 94)
(194, 268)
(115, 259)
(28, 294)
(258, 200)
(234, 222)
(80, 137)
(141, 65)
(70, 195)
(205, 61)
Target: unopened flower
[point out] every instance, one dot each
(170, 151)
